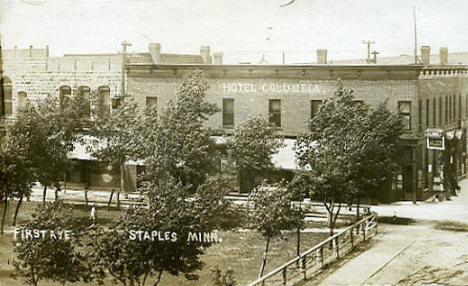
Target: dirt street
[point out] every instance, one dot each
(431, 248)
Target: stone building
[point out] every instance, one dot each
(31, 74)
(426, 96)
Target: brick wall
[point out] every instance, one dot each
(251, 96)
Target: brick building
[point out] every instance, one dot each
(432, 98)
(427, 96)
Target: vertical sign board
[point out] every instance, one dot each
(435, 139)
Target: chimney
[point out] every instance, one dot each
(155, 51)
(218, 58)
(425, 55)
(322, 56)
(443, 55)
(205, 54)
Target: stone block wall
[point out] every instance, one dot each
(33, 72)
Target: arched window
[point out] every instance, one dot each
(104, 101)
(21, 102)
(85, 91)
(6, 97)
(65, 93)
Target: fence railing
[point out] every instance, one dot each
(311, 261)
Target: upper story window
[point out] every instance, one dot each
(420, 115)
(85, 92)
(314, 107)
(446, 110)
(104, 101)
(228, 112)
(6, 97)
(65, 93)
(440, 111)
(404, 110)
(427, 114)
(275, 112)
(21, 103)
(151, 101)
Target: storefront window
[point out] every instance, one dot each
(104, 101)
(314, 107)
(21, 100)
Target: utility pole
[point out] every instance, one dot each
(368, 43)
(375, 53)
(125, 44)
(415, 37)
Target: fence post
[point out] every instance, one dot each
(321, 255)
(364, 231)
(304, 266)
(86, 197)
(337, 248)
(285, 278)
(352, 238)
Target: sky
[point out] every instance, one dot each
(241, 27)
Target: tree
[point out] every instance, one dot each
(252, 147)
(46, 130)
(51, 251)
(114, 139)
(16, 178)
(326, 153)
(349, 150)
(179, 143)
(378, 160)
(270, 212)
(131, 252)
(183, 195)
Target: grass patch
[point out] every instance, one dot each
(241, 251)
(451, 226)
(395, 220)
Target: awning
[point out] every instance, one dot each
(286, 157)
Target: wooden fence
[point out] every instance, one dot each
(313, 260)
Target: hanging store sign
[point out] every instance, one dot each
(435, 139)
(436, 143)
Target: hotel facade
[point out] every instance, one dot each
(431, 98)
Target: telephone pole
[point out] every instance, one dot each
(415, 37)
(368, 43)
(125, 44)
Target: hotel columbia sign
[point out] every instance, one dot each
(435, 139)
(269, 87)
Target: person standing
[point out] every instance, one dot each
(92, 214)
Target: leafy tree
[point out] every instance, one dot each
(114, 138)
(252, 147)
(179, 143)
(348, 151)
(378, 158)
(51, 255)
(327, 152)
(46, 131)
(131, 261)
(16, 178)
(270, 212)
